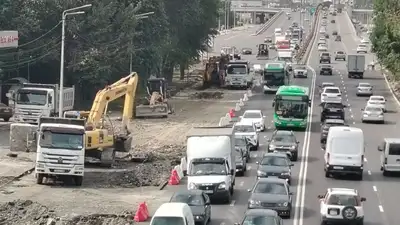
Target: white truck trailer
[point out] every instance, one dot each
(355, 66)
(60, 149)
(211, 161)
(33, 101)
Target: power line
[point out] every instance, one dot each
(21, 52)
(42, 36)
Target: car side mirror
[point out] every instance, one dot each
(363, 199)
(320, 196)
(380, 148)
(208, 202)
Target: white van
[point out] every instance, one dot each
(278, 31)
(173, 213)
(344, 152)
(390, 157)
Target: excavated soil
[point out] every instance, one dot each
(207, 95)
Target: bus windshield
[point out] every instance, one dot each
(291, 109)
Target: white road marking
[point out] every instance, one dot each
(369, 172)
(381, 208)
(351, 116)
(375, 189)
(241, 183)
(365, 160)
(249, 168)
(350, 110)
(354, 122)
(232, 203)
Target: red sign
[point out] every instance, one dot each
(9, 39)
(283, 45)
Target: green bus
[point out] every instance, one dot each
(275, 74)
(291, 107)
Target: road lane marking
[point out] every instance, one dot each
(369, 172)
(241, 183)
(300, 195)
(381, 208)
(375, 189)
(365, 160)
(249, 168)
(232, 203)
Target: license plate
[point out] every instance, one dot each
(333, 213)
(59, 171)
(208, 191)
(338, 167)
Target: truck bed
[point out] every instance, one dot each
(210, 131)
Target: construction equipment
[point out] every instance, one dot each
(263, 52)
(215, 71)
(156, 104)
(100, 143)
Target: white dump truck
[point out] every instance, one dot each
(60, 149)
(355, 66)
(33, 101)
(211, 163)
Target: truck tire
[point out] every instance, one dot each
(39, 178)
(6, 119)
(78, 181)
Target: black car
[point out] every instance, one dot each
(240, 162)
(285, 142)
(261, 217)
(326, 125)
(333, 21)
(327, 36)
(334, 32)
(244, 145)
(275, 165)
(325, 70)
(325, 57)
(247, 51)
(332, 110)
(198, 202)
(271, 193)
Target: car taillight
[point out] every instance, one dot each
(385, 160)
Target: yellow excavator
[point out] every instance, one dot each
(214, 72)
(101, 144)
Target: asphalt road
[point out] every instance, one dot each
(380, 207)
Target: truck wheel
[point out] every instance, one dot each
(6, 119)
(78, 180)
(327, 174)
(229, 198)
(39, 178)
(295, 157)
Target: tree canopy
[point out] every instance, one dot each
(100, 43)
(385, 36)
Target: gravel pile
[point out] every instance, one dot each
(207, 95)
(27, 212)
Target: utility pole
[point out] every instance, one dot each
(66, 13)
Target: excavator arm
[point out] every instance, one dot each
(124, 87)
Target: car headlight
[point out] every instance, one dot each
(272, 147)
(222, 186)
(199, 217)
(254, 202)
(284, 204)
(261, 173)
(192, 186)
(285, 174)
(292, 147)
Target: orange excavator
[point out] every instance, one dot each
(215, 71)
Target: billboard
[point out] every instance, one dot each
(240, 5)
(9, 39)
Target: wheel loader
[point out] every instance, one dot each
(156, 104)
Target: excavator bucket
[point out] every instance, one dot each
(158, 110)
(123, 143)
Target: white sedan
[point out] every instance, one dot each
(373, 113)
(379, 101)
(362, 48)
(254, 116)
(248, 130)
(322, 48)
(365, 41)
(331, 94)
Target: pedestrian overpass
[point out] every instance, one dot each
(362, 15)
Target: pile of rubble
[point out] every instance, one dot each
(207, 95)
(32, 213)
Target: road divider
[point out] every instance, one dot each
(266, 25)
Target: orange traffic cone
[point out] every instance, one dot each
(232, 113)
(174, 178)
(142, 214)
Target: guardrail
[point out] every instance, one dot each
(266, 25)
(304, 50)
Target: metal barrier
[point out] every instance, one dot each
(266, 25)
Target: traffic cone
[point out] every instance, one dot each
(142, 213)
(237, 107)
(245, 98)
(241, 103)
(174, 178)
(231, 113)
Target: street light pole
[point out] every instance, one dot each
(138, 17)
(63, 17)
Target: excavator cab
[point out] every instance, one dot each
(263, 51)
(159, 85)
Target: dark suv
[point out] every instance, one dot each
(325, 57)
(332, 110)
(325, 70)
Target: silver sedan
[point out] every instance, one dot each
(364, 89)
(373, 114)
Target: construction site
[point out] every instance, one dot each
(134, 173)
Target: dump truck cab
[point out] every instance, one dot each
(263, 51)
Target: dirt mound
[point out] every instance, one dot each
(101, 219)
(24, 212)
(207, 95)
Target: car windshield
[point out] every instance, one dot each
(260, 220)
(373, 109)
(364, 85)
(301, 68)
(192, 200)
(244, 128)
(284, 138)
(237, 69)
(333, 105)
(289, 108)
(240, 142)
(322, 45)
(208, 168)
(57, 140)
(270, 188)
(274, 161)
(331, 91)
(346, 200)
(340, 53)
(167, 220)
(252, 115)
(362, 46)
(376, 99)
(327, 85)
